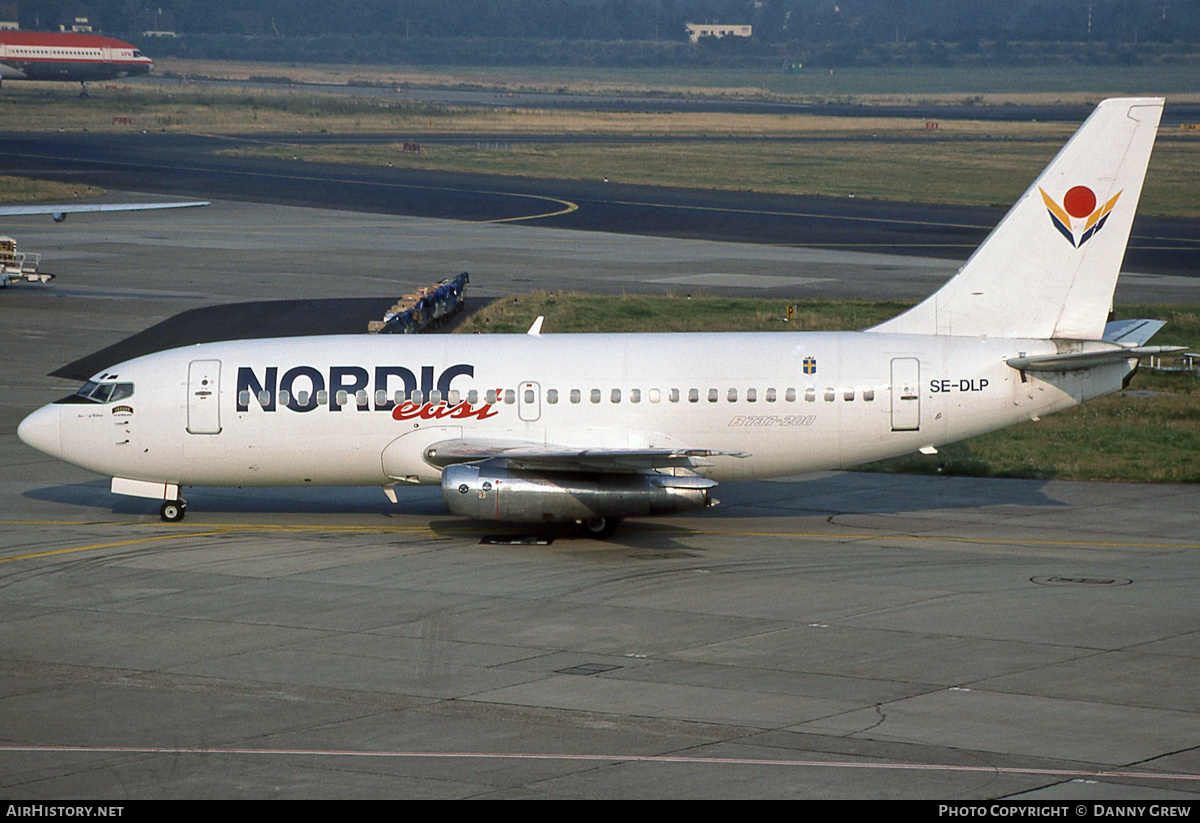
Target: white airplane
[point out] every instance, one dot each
(592, 428)
(49, 55)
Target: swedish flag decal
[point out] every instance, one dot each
(810, 365)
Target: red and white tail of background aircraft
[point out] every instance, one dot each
(596, 427)
(47, 55)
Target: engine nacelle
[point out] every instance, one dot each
(493, 493)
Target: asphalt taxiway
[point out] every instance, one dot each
(836, 635)
(192, 166)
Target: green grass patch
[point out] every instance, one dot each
(27, 190)
(567, 312)
(1148, 433)
(856, 86)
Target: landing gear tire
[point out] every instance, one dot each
(173, 511)
(599, 528)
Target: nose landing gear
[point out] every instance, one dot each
(173, 511)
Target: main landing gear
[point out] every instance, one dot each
(173, 511)
(600, 528)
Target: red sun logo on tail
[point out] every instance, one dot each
(1078, 211)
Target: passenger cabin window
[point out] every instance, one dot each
(790, 395)
(713, 394)
(552, 396)
(770, 395)
(693, 395)
(673, 395)
(751, 395)
(868, 394)
(810, 395)
(576, 396)
(731, 396)
(655, 395)
(616, 396)
(595, 395)
(510, 396)
(635, 395)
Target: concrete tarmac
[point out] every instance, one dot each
(839, 635)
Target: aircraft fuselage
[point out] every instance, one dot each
(355, 410)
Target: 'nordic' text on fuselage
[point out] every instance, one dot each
(344, 385)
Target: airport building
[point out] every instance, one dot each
(699, 30)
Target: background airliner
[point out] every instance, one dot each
(544, 428)
(46, 55)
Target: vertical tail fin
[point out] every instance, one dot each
(1049, 269)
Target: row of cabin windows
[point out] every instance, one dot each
(509, 396)
(15, 51)
(693, 395)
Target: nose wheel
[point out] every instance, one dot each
(173, 511)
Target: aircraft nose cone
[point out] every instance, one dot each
(42, 430)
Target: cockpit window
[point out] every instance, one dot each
(94, 391)
(101, 393)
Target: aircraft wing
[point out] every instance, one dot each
(61, 210)
(547, 457)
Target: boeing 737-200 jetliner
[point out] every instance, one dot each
(587, 428)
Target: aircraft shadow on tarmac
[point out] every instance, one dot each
(828, 494)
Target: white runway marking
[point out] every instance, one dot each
(605, 758)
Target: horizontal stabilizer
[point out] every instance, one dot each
(1135, 332)
(1088, 359)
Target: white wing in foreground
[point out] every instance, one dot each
(61, 210)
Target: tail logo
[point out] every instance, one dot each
(1079, 208)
